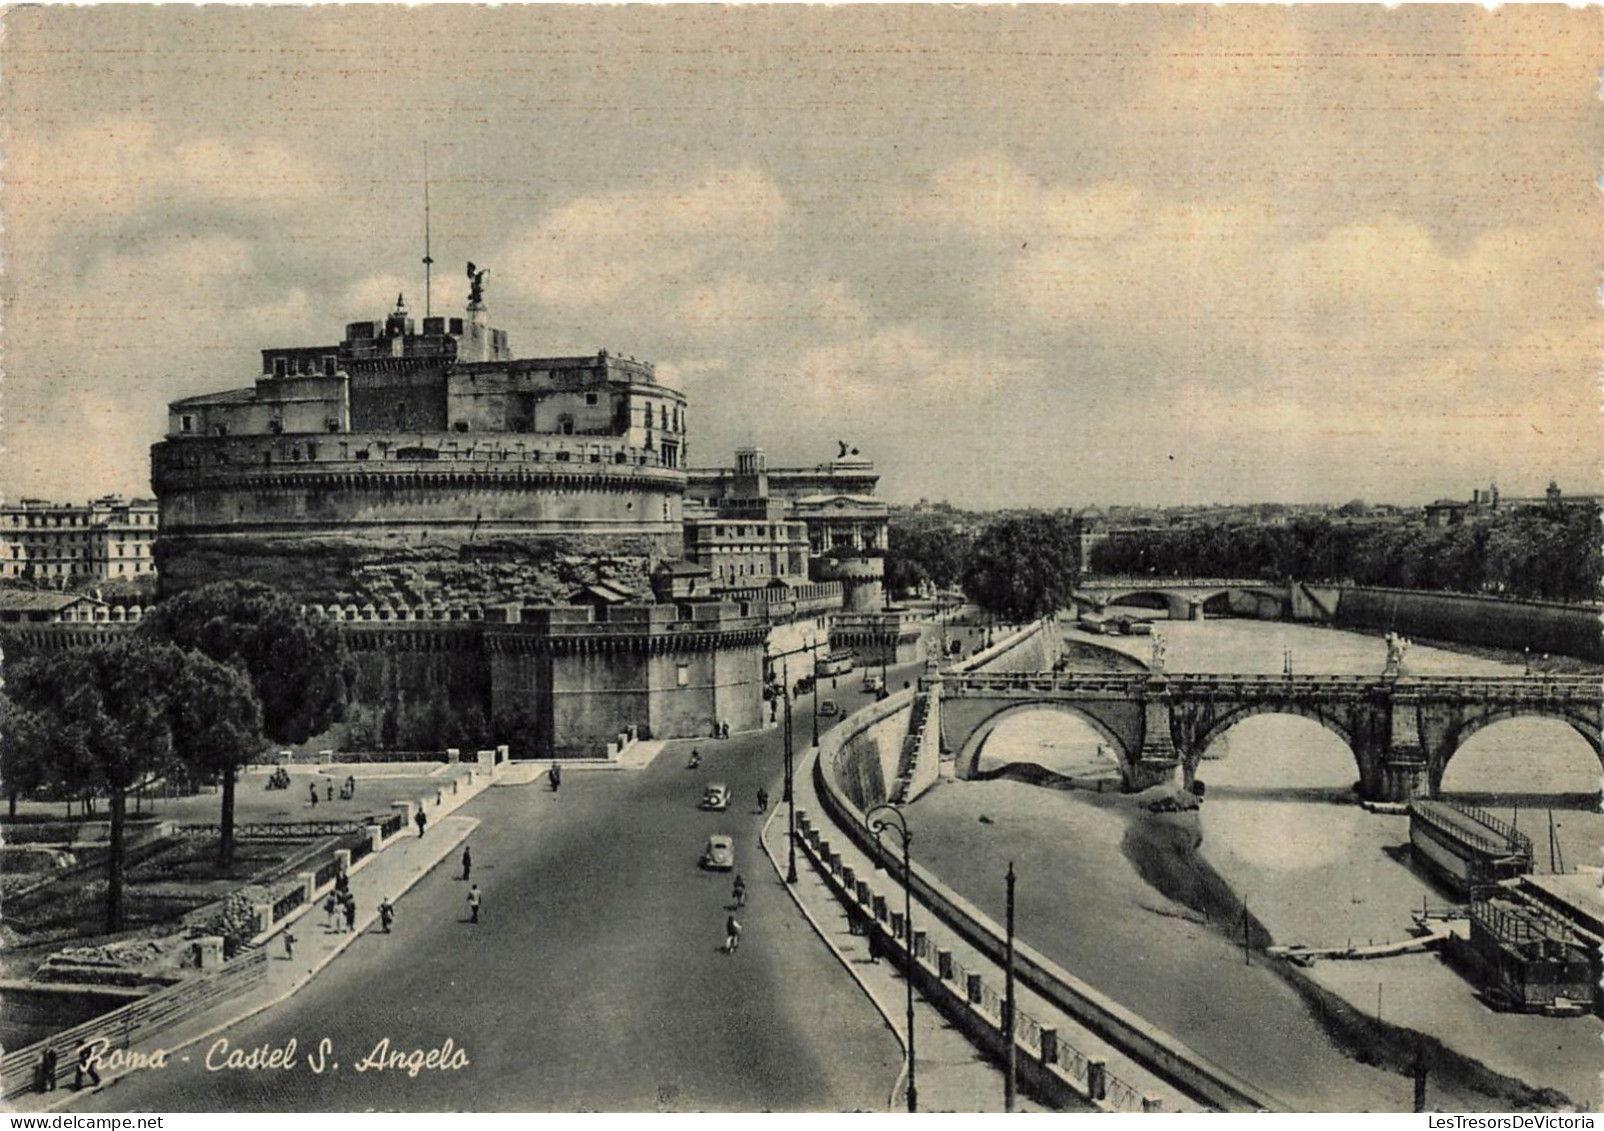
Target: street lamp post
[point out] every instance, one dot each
(1011, 1080)
(879, 819)
(812, 651)
(790, 790)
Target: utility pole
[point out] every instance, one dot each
(1011, 1079)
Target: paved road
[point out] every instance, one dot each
(594, 981)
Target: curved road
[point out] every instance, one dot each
(594, 981)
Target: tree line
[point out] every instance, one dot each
(203, 686)
(1025, 565)
(1016, 567)
(1533, 553)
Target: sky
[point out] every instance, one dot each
(1018, 256)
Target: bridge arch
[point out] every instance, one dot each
(968, 758)
(1262, 602)
(1177, 605)
(1192, 753)
(1588, 728)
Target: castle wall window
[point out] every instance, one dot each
(590, 398)
(281, 367)
(186, 424)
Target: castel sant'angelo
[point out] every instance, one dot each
(405, 463)
(515, 548)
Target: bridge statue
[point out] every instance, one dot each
(1158, 652)
(1396, 647)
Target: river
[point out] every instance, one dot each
(1280, 828)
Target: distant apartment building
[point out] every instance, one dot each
(60, 544)
(750, 525)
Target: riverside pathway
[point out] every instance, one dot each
(951, 1074)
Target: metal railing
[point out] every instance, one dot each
(275, 830)
(122, 1026)
(288, 902)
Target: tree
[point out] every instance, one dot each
(23, 762)
(297, 667)
(104, 713)
(216, 723)
(1023, 567)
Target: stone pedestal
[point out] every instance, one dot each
(209, 949)
(1403, 776)
(1096, 1078)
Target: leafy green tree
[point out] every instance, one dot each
(299, 666)
(104, 713)
(1023, 567)
(23, 762)
(216, 723)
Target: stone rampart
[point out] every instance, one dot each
(1033, 648)
(1569, 630)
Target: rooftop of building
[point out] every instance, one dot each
(39, 601)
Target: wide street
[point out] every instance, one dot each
(595, 979)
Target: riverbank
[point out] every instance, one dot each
(1082, 902)
(1165, 850)
(1281, 833)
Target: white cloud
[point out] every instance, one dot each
(619, 246)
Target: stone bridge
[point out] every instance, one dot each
(1183, 598)
(1403, 731)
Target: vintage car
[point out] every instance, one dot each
(719, 855)
(716, 797)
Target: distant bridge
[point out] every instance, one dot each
(1402, 731)
(1184, 598)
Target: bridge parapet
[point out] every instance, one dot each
(1402, 730)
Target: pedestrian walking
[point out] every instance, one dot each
(762, 801)
(331, 907)
(350, 786)
(421, 820)
(739, 892)
(47, 1070)
(312, 785)
(555, 777)
(467, 862)
(86, 1066)
(289, 945)
(386, 914)
(473, 903)
(331, 789)
(732, 934)
(350, 915)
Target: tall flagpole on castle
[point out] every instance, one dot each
(428, 259)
